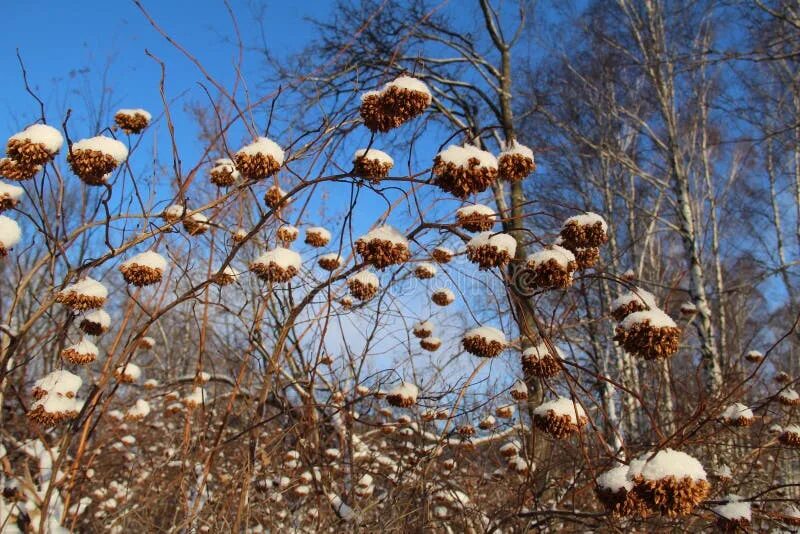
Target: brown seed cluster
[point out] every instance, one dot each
(460, 181)
(790, 439)
(78, 302)
(754, 357)
(441, 255)
(371, 169)
(122, 377)
(223, 175)
(256, 166)
(92, 328)
(558, 426)
(195, 227)
(13, 170)
(274, 197)
(223, 279)
(361, 291)
(442, 298)
(3, 251)
(482, 347)
(787, 401)
(430, 344)
(515, 167)
(466, 431)
(789, 519)
(648, 342)
(552, 274)
(382, 253)
(399, 400)
(7, 202)
(317, 239)
(287, 234)
(671, 496)
(39, 415)
(73, 356)
(475, 222)
(141, 275)
(423, 273)
(519, 395)
(545, 367)
(27, 153)
(488, 256)
(739, 421)
(392, 107)
(135, 417)
(622, 503)
(329, 264)
(577, 235)
(626, 309)
(504, 411)
(738, 524)
(273, 272)
(91, 166)
(586, 258)
(131, 123)
(422, 332)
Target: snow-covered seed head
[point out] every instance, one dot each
(506, 411)
(53, 408)
(127, 374)
(430, 343)
(464, 170)
(583, 231)
(790, 436)
(372, 165)
(443, 297)
(173, 213)
(85, 294)
(35, 145)
(146, 343)
(515, 162)
(224, 173)
(790, 515)
(422, 329)
(551, 267)
(632, 301)
(330, 262)
(61, 383)
(519, 391)
(9, 196)
(540, 361)
(239, 235)
(733, 515)
(95, 323)
(287, 233)
(789, 397)
(754, 356)
(489, 250)
(737, 414)
(442, 255)
(476, 218)
(196, 224)
(260, 159)
(346, 302)
(487, 423)
(132, 121)
(560, 418)
(10, 235)
(80, 353)
(484, 341)
(275, 198)
(403, 396)
(425, 271)
(614, 491)
(363, 285)
(648, 334)
(16, 171)
(396, 103)
(510, 448)
(316, 236)
(277, 265)
(226, 277)
(670, 482)
(465, 431)
(93, 159)
(586, 258)
(139, 410)
(195, 398)
(144, 269)
(382, 247)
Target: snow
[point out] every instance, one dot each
(42, 134)
(367, 278)
(128, 440)
(488, 333)
(460, 156)
(561, 256)
(151, 259)
(88, 287)
(444, 291)
(106, 145)
(665, 463)
(373, 154)
(501, 242)
(636, 295)
(365, 480)
(723, 471)
(60, 382)
(428, 267)
(130, 370)
(175, 211)
(264, 146)
(489, 421)
(517, 148)
(476, 209)
(737, 410)
(587, 219)
(135, 111)
(199, 218)
(755, 354)
(561, 406)
(792, 429)
(541, 350)
(656, 318)
(512, 445)
(519, 387)
(320, 231)
(385, 233)
(333, 256)
(10, 232)
(342, 509)
(615, 479)
(84, 346)
(11, 191)
(409, 83)
(140, 409)
(282, 257)
(406, 390)
(734, 508)
(151, 383)
(423, 325)
(789, 394)
(197, 396)
(227, 165)
(56, 404)
(791, 511)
